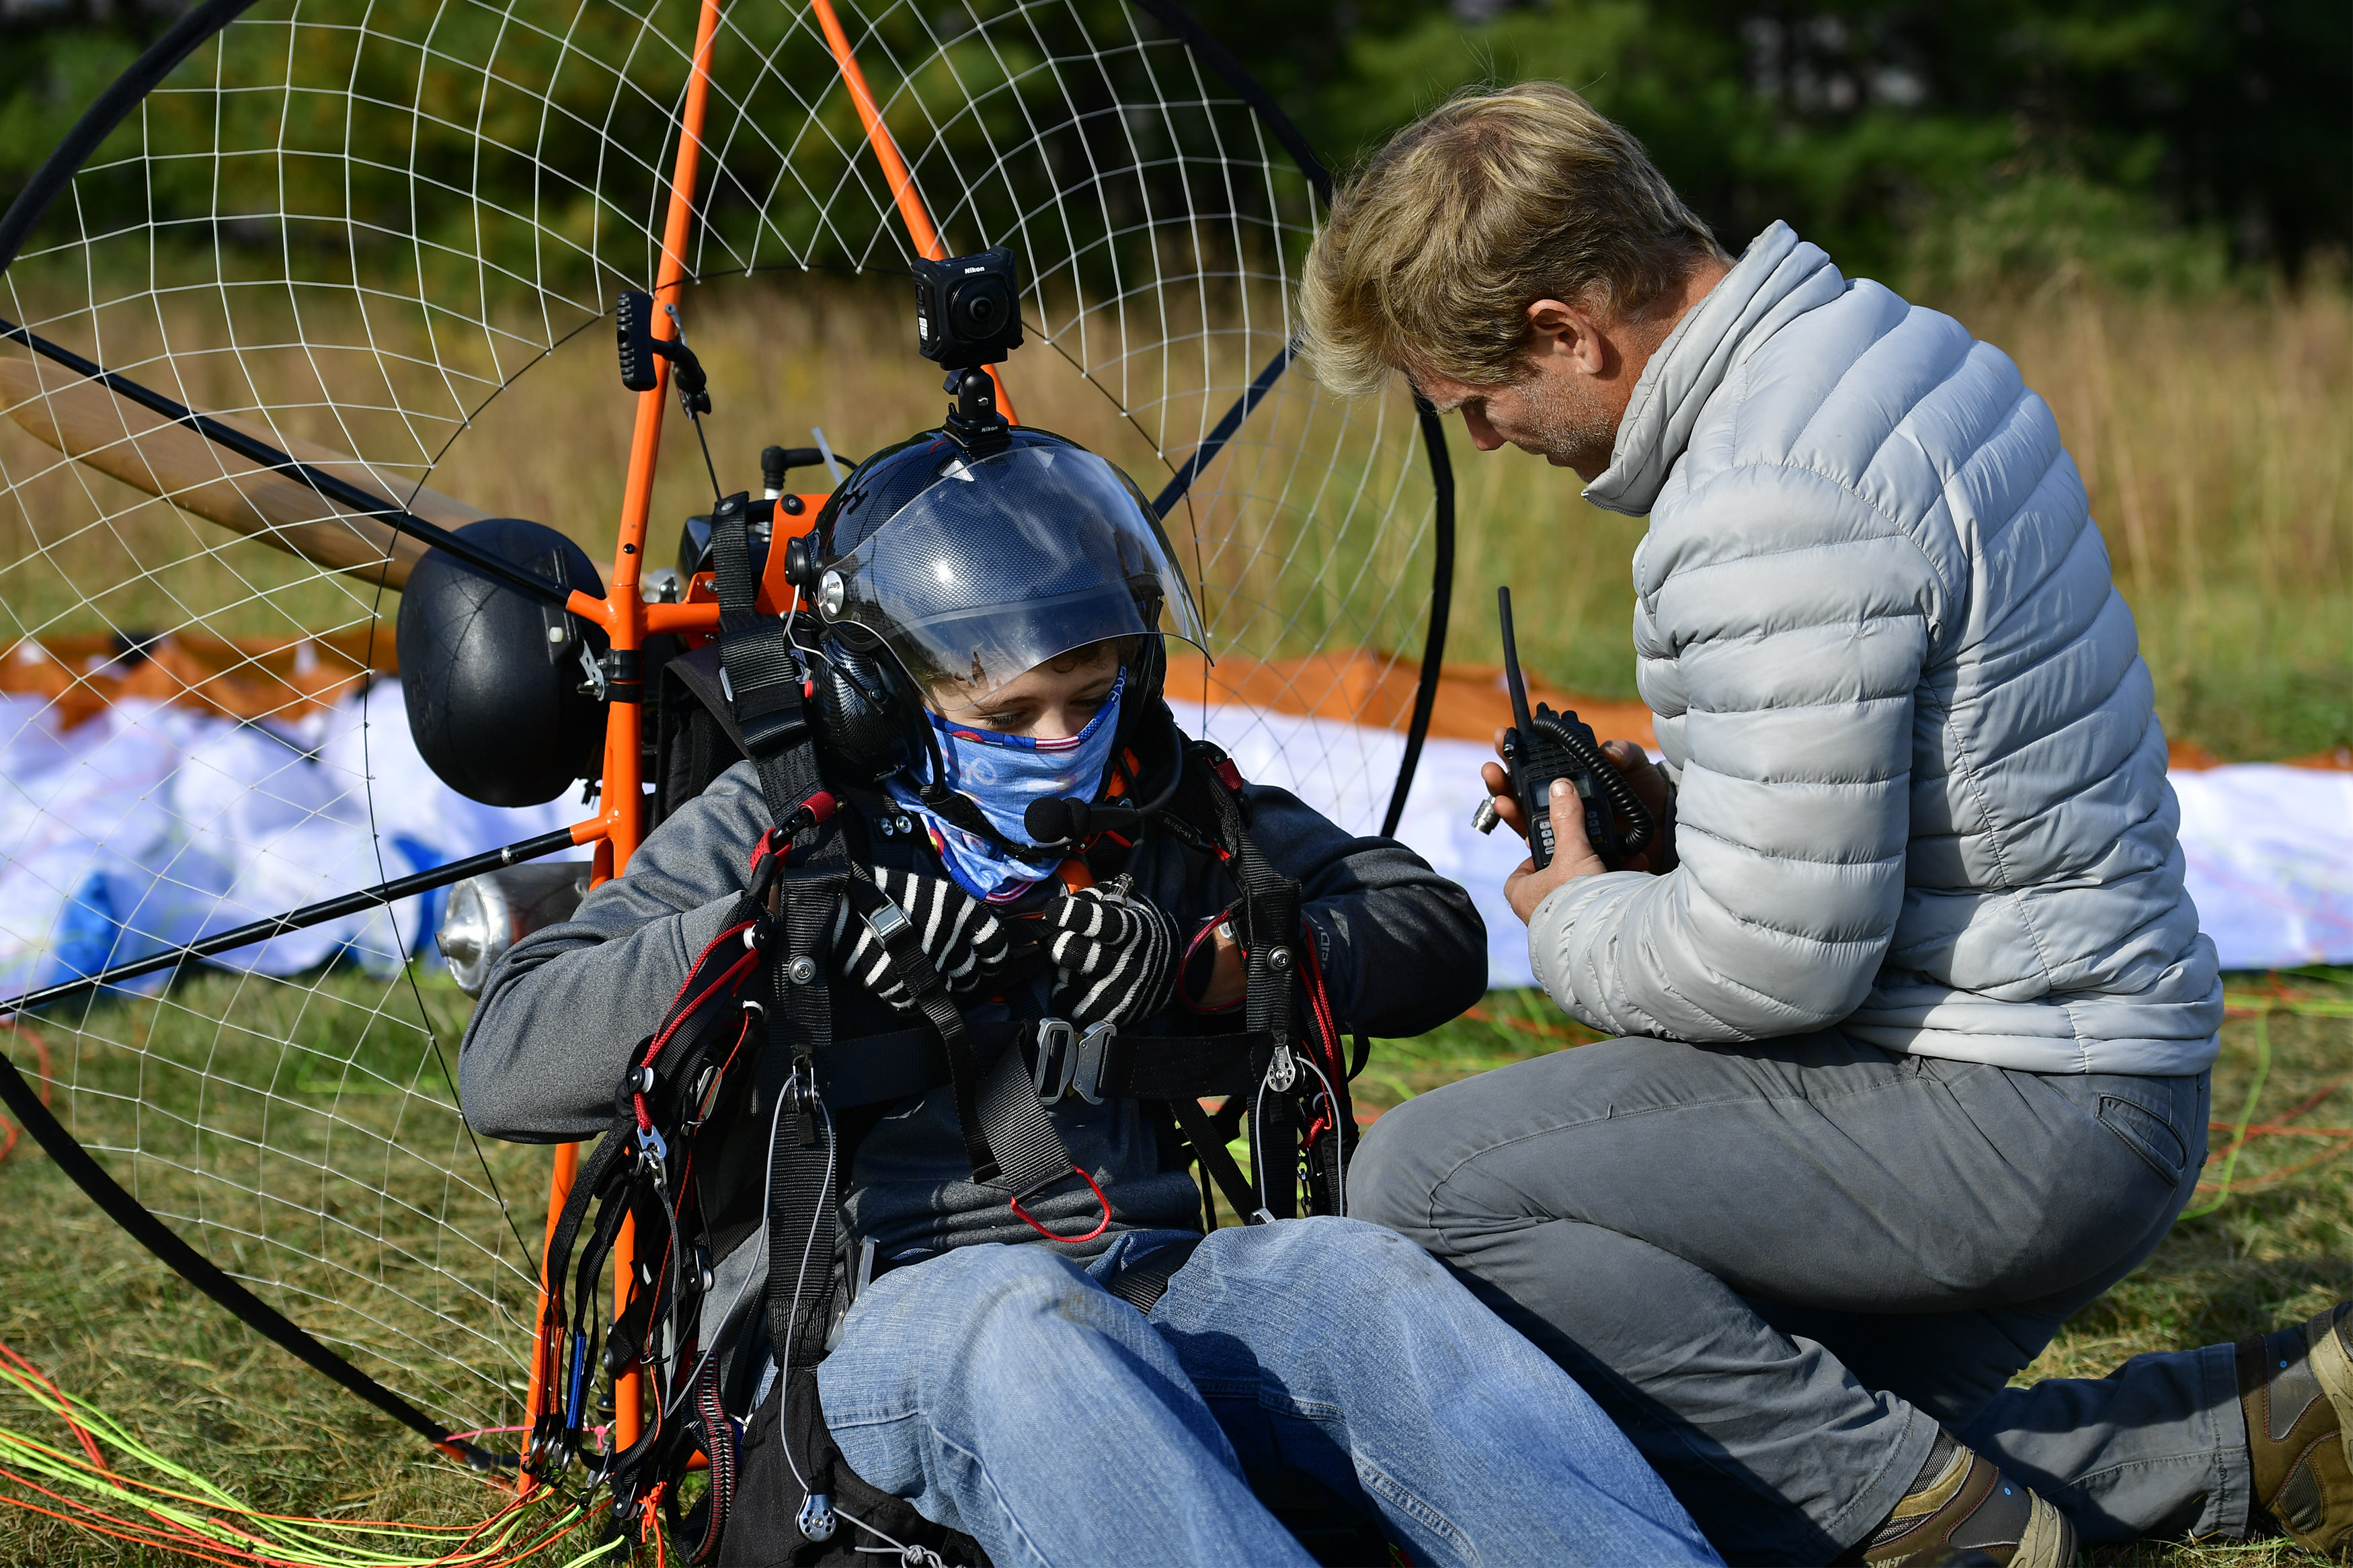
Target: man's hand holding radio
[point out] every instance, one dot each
(1527, 888)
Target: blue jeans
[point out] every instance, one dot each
(1007, 1394)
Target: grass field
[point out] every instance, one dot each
(2210, 433)
(117, 1329)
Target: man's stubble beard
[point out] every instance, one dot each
(1571, 434)
(1568, 431)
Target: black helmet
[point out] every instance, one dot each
(936, 569)
(973, 571)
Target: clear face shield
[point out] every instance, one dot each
(1006, 564)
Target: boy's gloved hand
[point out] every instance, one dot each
(965, 942)
(1115, 955)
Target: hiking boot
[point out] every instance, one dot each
(1967, 1506)
(2295, 1386)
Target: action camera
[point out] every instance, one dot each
(968, 309)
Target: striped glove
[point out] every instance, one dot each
(1115, 955)
(965, 942)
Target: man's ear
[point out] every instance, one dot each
(1572, 333)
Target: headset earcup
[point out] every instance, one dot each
(865, 712)
(1148, 676)
(1152, 670)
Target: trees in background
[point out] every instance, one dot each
(1958, 144)
(1961, 141)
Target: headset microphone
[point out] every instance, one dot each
(1054, 819)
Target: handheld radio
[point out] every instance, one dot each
(1545, 746)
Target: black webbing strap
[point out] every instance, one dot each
(901, 1063)
(903, 946)
(1215, 1159)
(762, 682)
(589, 1182)
(1270, 992)
(1030, 1153)
(802, 1201)
(1140, 1067)
(761, 675)
(804, 1206)
(1142, 1285)
(633, 1331)
(1180, 1066)
(731, 562)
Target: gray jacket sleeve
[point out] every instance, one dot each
(1403, 949)
(1788, 622)
(563, 1010)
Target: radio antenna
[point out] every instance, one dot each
(1512, 665)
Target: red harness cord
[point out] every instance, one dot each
(1101, 1226)
(1319, 1000)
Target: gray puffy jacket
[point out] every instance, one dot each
(1922, 784)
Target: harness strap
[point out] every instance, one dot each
(587, 1185)
(1210, 1149)
(1271, 988)
(1104, 1064)
(1143, 1286)
(913, 969)
(1030, 1153)
(762, 685)
(803, 1207)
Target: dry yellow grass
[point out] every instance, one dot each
(2212, 434)
(1311, 527)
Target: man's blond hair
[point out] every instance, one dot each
(1434, 252)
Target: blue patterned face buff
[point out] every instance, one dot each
(1003, 774)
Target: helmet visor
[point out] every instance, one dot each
(1006, 564)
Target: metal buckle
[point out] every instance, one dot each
(888, 922)
(651, 1146)
(1086, 1077)
(1057, 1061)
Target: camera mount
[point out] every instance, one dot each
(975, 425)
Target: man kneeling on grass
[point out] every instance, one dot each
(1046, 1354)
(1918, 1029)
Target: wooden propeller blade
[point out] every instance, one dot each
(143, 450)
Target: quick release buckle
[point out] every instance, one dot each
(1069, 1062)
(1086, 1079)
(1056, 1062)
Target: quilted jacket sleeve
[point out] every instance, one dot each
(1784, 625)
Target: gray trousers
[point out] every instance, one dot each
(1781, 1267)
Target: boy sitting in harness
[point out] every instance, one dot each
(898, 1033)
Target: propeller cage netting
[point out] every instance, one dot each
(361, 225)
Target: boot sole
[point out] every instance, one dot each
(2049, 1540)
